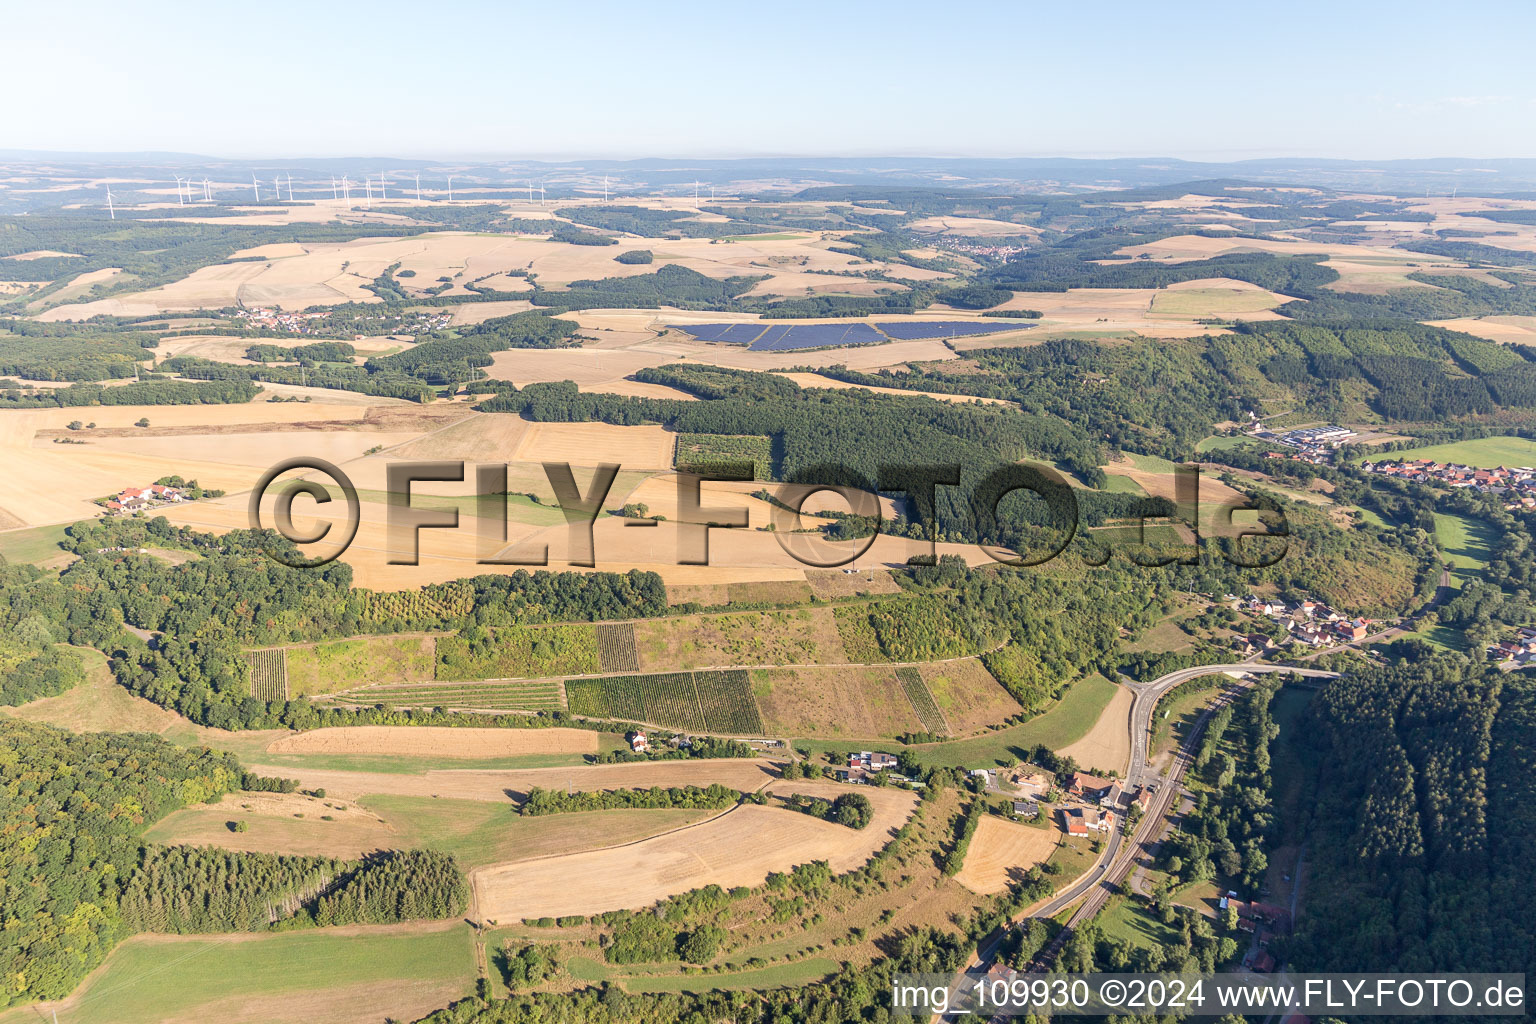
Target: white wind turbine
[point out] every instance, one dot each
(418, 188)
(346, 191)
(111, 213)
(530, 191)
(277, 190)
(207, 193)
(605, 188)
(368, 195)
(255, 187)
(334, 194)
(290, 188)
(180, 199)
(383, 191)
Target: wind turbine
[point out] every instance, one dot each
(180, 198)
(418, 188)
(383, 191)
(334, 193)
(695, 193)
(368, 197)
(530, 191)
(277, 190)
(255, 187)
(346, 191)
(111, 213)
(207, 195)
(605, 188)
(541, 192)
(290, 188)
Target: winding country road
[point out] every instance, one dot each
(1119, 855)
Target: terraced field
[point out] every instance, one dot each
(269, 673)
(488, 695)
(922, 701)
(713, 701)
(616, 647)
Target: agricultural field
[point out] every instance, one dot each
(424, 740)
(719, 701)
(342, 664)
(1482, 452)
(1073, 717)
(289, 823)
(497, 785)
(353, 975)
(798, 636)
(1107, 745)
(835, 701)
(911, 680)
(967, 696)
(713, 449)
(1001, 852)
(740, 846)
(487, 695)
(616, 647)
(269, 673)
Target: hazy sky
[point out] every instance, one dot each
(654, 78)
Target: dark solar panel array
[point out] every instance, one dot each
(780, 337)
(918, 329)
(817, 336)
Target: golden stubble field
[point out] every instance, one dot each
(1001, 852)
(1107, 746)
(499, 785)
(437, 741)
(739, 847)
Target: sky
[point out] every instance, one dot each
(1197, 80)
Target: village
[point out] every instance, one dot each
(1306, 623)
(1516, 485)
(330, 324)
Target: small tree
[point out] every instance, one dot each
(143, 421)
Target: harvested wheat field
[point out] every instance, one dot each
(1001, 852)
(816, 380)
(438, 741)
(1511, 330)
(740, 847)
(1107, 747)
(974, 227)
(586, 366)
(491, 784)
(587, 444)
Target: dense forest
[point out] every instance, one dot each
(71, 807)
(188, 890)
(1422, 827)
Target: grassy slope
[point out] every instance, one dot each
(1483, 452)
(287, 976)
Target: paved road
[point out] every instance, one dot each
(1120, 853)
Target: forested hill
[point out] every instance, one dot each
(1423, 826)
(71, 808)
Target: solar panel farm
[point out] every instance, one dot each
(757, 337)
